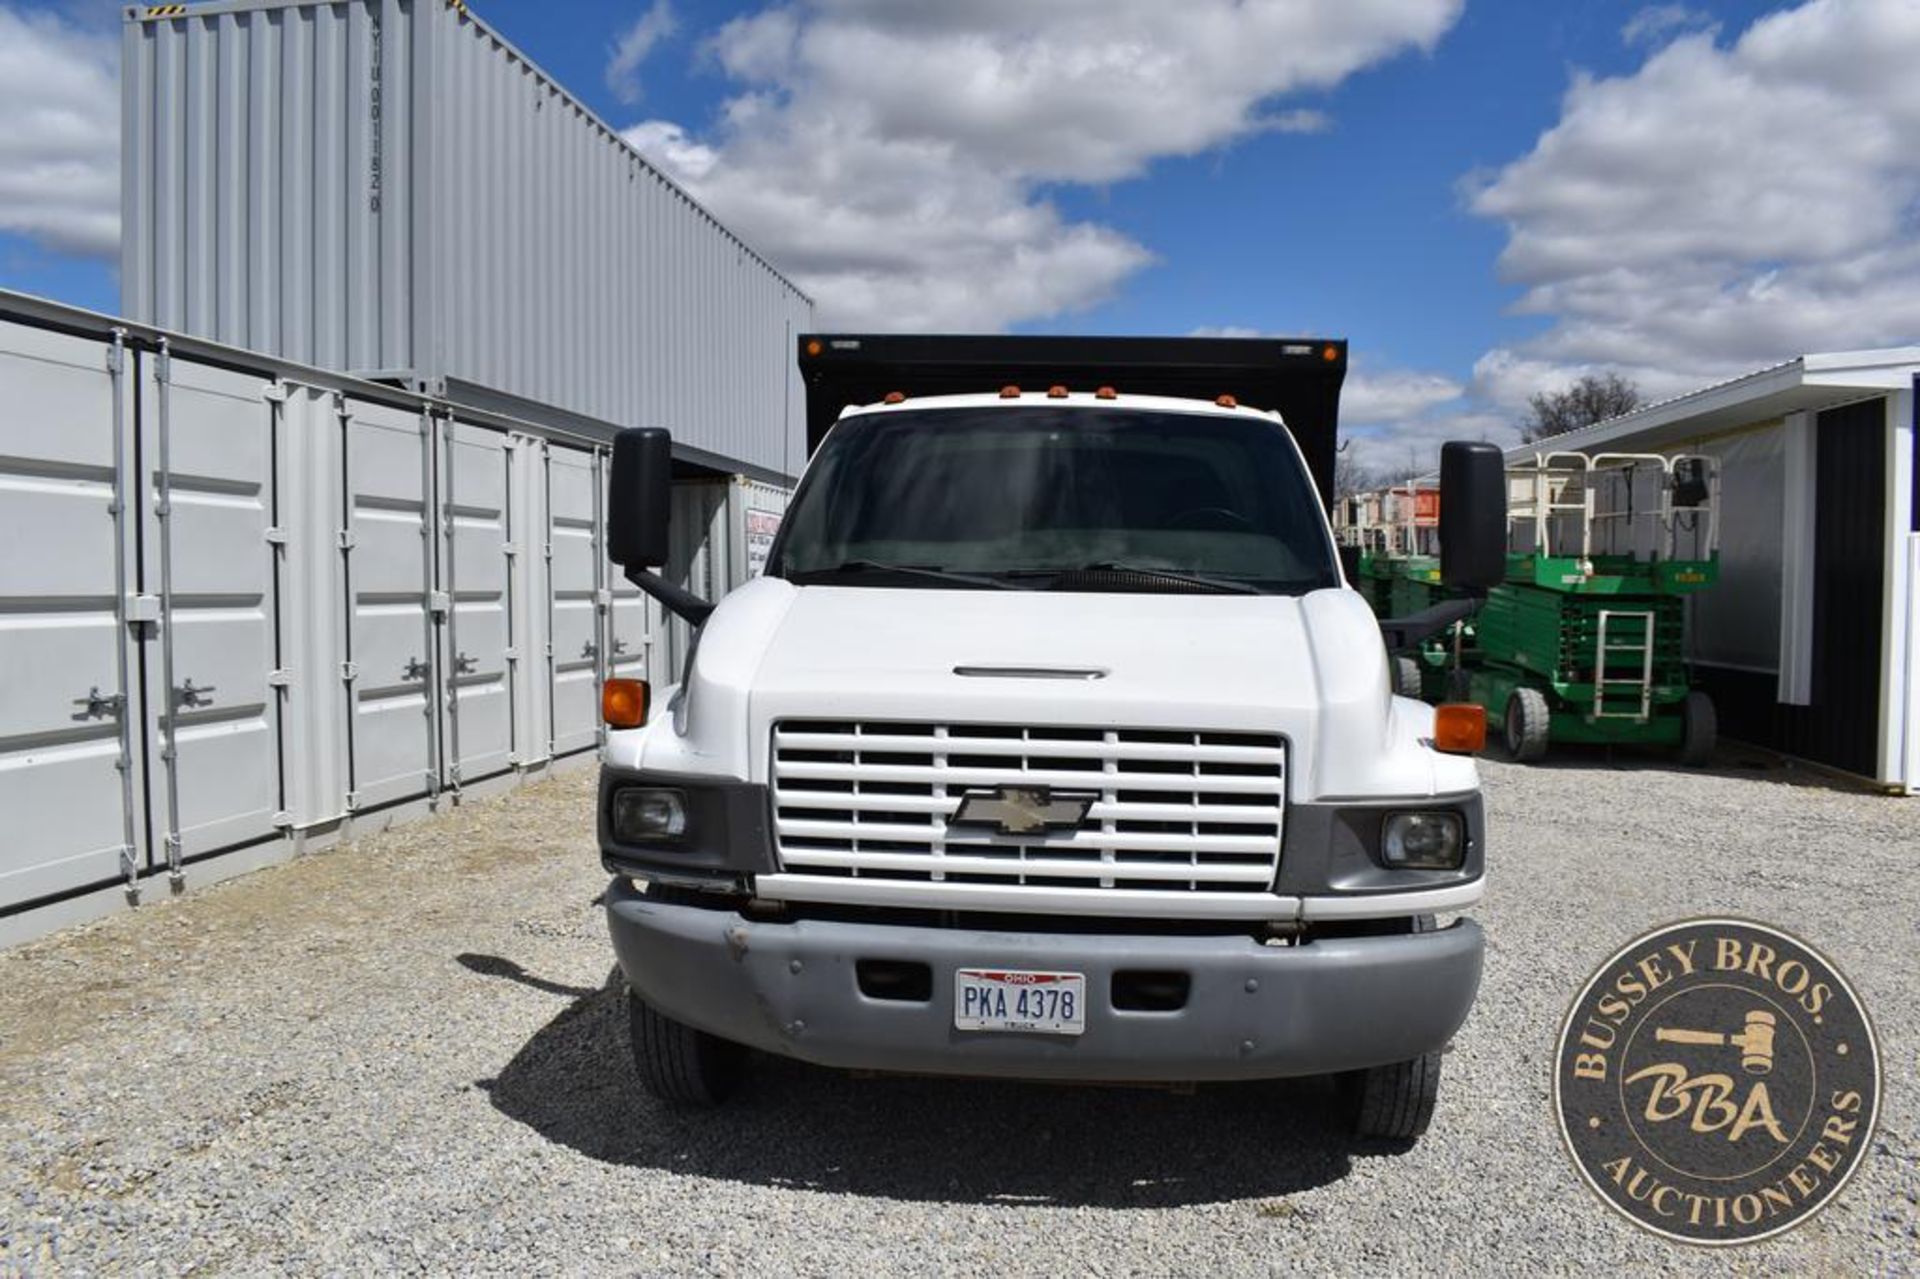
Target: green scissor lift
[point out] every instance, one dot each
(1399, 574)
(1583, 642)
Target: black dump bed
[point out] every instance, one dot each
(1298, 377)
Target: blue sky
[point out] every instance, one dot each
(1486, 198)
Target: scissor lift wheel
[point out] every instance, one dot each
(1527, 721)
(1406, 676)
(1699, 729)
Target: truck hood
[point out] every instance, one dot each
(1153, 660)
(1310, 667)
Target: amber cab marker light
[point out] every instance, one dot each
(1106, 393)
(1056, 393)
(1460, 728)
(896, 397)
(1009, 392)
(813, 346)
(1227, 402)
(1329, 353)
(623, 703)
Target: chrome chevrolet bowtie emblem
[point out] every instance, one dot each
(1021, 810)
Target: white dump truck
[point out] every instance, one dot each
(1052, 743)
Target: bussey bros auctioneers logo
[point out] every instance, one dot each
(1717, 1081)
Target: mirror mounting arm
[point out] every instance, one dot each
(1402, 633)
(682, 603)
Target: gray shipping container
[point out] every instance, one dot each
(266, 602)
(388, 187)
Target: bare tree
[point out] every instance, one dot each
(1350, 475)
(1593, 398)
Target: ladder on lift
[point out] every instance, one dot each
(1636, 690)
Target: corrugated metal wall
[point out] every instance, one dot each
(1840, 726)
(267, 600)
(388, 187)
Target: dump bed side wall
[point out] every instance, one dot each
(1293, 377)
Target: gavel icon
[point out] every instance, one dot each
(1755, 1042)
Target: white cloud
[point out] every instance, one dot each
(1396, 419)
(60, 148)
(1722, 207)
(668, 146)
(635, 43)
(1413, 446)
(1227, 331)
(894, 155)
(1393, 396)
(1656, 22)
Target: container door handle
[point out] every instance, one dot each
(589, 649)
(464, 665)
(99, 705)
(190, 697)
(415, 669)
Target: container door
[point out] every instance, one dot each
(531, 587)
(575, 565)
(477, 638)
(213, 706)
(66, 720)
(390, 643)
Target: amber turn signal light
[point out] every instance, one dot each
(623, 703)
(1459, 728)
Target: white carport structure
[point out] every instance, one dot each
(1810, 642)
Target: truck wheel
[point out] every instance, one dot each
(678, 1064)
(1699, 729)
(1395, 1102)
(1406, 677)
(1527, 720)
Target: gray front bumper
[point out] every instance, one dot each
(1254, 1011)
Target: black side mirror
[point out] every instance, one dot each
(1473, 515)
(639, 497)
(1690, 482)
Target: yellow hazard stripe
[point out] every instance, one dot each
(163, 11)
(458, 6)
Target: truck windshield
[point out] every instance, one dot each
(1057, 498)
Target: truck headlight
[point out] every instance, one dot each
(1423, 841)
(649, 814)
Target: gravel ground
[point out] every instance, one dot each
(410, 1054)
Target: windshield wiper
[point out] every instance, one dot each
(928, 571)
(1221, 584)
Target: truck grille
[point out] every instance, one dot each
(1175, 811)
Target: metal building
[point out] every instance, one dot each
(390, 188)
(253, 605)
(1810, 641)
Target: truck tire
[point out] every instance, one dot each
(678, 1064)
(1395, 1102)
(1406, 677)
(1526, 723)
(1699, 729)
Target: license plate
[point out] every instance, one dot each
(1040, 1003)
